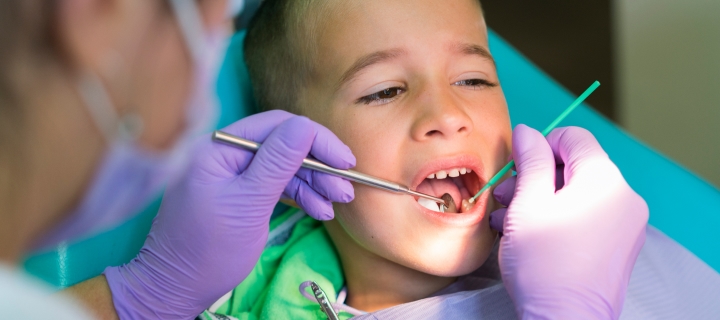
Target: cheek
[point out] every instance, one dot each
(364, 218)
(492, 126)
(380, 222)
(374, 137)
(162, 87)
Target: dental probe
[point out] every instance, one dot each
(319, 166)
(545, 132)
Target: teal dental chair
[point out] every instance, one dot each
(683, 206)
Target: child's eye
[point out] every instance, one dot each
(382, 97)
(475, 83)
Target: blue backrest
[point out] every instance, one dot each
(681, 205)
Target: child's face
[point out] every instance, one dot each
(410, 87)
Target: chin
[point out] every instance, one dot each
(457, 258)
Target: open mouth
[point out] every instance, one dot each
(456, 186)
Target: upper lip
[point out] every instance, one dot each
(446, 163)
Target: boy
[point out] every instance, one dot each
(411, 87)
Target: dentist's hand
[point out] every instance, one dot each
(567, 250)
(213, 223)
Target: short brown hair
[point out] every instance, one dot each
(278, 48)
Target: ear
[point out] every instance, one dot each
(86, 30)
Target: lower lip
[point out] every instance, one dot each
(474, 216)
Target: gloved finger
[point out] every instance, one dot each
(575, 147)
(559, 177)
(328, 148)
(534, 162)
(280, 156)
(258, 126)
(333, 188)
(255, 128)
(497, 219)
(505, 191)
(313, 203)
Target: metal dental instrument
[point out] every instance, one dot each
(319, 166)
(321, 298)
(545, 132)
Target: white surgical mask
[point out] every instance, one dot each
(129, 176)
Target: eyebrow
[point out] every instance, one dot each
(385, 55)
(473, 49)
(368, 60)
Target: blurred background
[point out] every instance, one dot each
(658, 60)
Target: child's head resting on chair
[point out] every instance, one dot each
(411, 88)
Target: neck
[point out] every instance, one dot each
(57, 147)
(388, 284)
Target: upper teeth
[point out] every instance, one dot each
(442, 174)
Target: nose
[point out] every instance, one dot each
(440, 116)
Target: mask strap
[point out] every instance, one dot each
(98, 103)
(191, 26)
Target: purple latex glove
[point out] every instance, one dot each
(213, 223)
(567, 249)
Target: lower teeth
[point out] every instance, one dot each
(466, 205)
(432, 205)
(451, 207)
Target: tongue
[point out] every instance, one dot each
(438, 187)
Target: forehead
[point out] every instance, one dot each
(357, 28)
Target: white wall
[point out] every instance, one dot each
(668, 69)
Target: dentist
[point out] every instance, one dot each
(103, 103)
